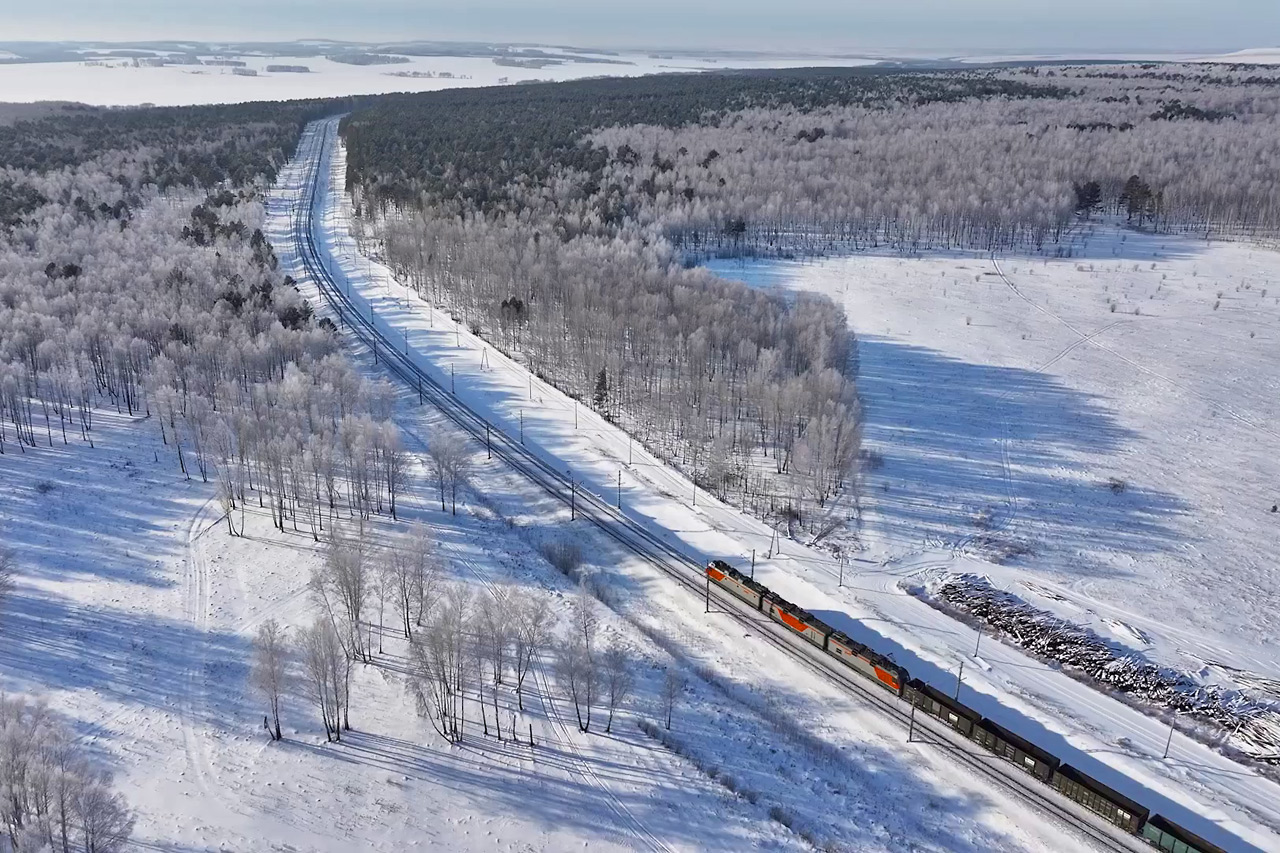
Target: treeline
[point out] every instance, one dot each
(474, 147)
(558, 221)
(992, 174)
(491, 201)
(743, 390)
(197, 146)
(169, 303)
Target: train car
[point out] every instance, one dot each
(1099, 799)
(1023, 753)
(937, 704)
(1174, 839)
(871, 664)
(727, 577)
(797, 619)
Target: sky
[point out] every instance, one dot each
(939, 25)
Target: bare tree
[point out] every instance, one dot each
(450, 464)
(586, 619)
(673, 684)
(440, 661)
(326, 666)
(395, 465)
(105, 821)
(342, 585)
(533, 623)
(494, 642)
(577, 673)
(270, 670)
(617, 677)
(413, 574)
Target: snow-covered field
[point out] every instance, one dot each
(1114, 413)
(1131, 450)
(116, 82)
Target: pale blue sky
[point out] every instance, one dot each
(788, 24)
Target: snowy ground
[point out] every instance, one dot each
(1049, 395)
(1196, 786)
(1003, 400)
(134, 613)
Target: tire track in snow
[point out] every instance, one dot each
(195, 612)
(1091, 339)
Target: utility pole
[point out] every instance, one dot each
(619, 489)
(405, 332)
(530, 386)
(522, 426)
(488, 443)
(575, 414)
(979, 643)
(1168, 743)
(573, 498)
(419, 390)
(753, 563)
(453, 381)
(695, 492)
(911, 728)
(840, 583)
(959, 678)
(708, 593)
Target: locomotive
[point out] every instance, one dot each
(1074, 784)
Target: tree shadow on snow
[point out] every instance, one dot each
(131, 658)
(980, 450)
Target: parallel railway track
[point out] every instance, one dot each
(683, 568)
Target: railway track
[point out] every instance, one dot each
(683, 568)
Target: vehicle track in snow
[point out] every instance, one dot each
(1091, 339)
(195, 613)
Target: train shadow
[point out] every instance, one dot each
(1056, 743)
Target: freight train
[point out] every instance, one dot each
(1074, 784)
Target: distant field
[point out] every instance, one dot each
(116, 82)
(9, 113)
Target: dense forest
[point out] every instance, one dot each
(823, 146)
(134, 273)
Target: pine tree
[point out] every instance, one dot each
(602, 392)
